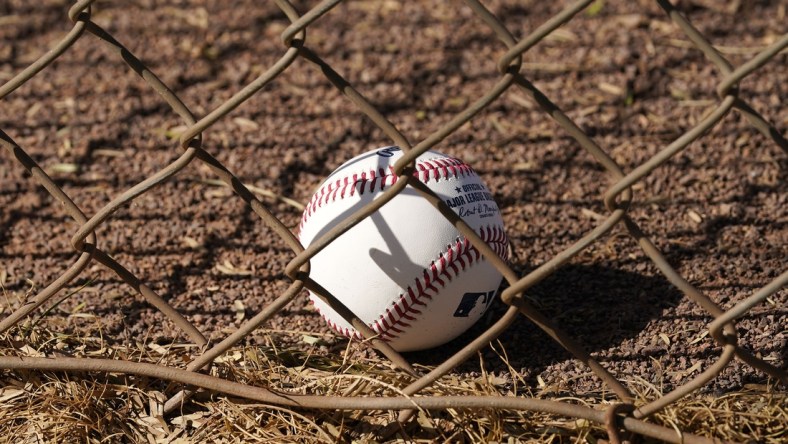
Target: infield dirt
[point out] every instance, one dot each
(717, 210)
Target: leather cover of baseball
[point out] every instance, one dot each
(405, 270)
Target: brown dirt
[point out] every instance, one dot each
(718, 210)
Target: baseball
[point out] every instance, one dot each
(405, 270)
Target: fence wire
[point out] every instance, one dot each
(620, 416)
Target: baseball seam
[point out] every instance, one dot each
(457, 257)
(368, 180)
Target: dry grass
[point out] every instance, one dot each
(57, 407)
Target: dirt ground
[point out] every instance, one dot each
(624, 74)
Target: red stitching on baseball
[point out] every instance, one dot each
(404, 308)
(440, 169)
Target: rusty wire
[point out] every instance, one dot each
(621, 416)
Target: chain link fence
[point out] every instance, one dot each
(618, 198)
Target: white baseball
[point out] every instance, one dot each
(405, 270)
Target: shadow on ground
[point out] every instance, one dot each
(597, 306)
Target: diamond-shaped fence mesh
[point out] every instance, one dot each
(618, 199)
